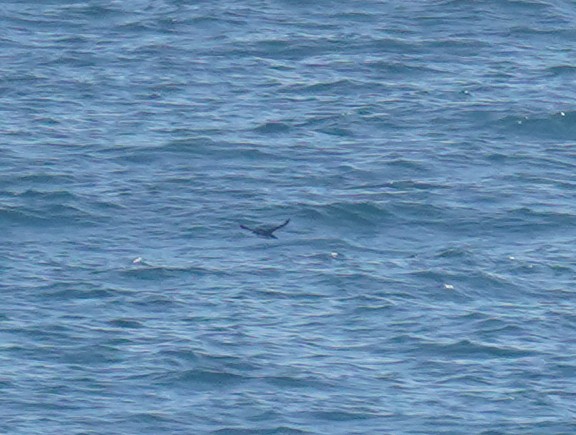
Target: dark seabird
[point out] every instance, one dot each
(266, 230)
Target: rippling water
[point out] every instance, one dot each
(424, 151)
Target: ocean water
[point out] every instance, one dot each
(424, 152)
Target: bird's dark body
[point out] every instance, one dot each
(266, 230)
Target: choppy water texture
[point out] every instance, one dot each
(423, 150)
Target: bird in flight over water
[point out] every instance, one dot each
(266, 230)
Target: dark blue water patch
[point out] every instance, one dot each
(335, 416)
(555, 160)
(562, 70)
(557, 126)
(543, 32)
(189, 151)
(469, 350)
(68, 291)
(92, 355)
(383, 45)
(47, 196)
(327, 88)
(49, 215)
(403, 70)
(295, 382)
(288, 50)
(204, 379)
(335, 125)
(273, 127)
(37, 179)
(460, 254)
(150, 419)
(126, 323)
(280, 430)
(347, 213)
(156, 302)
(148, 272)
(532, 220)
(469, 47)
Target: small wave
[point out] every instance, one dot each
(562, 70)
(334, 125)
(126, 323)
(348, 213)
(306, 382)
(42, 179)
(207, 378)
(69, 292)
(395, 45)
(559, 125)
(52, 215)
(273, 127)
(526, 218)
(53, 196)
(318, 88)
(402, 69)
(150, 272)
(279, 430)
(337, 416)
(471, 349)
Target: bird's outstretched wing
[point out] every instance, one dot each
(279, 226)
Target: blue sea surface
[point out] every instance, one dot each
(425, 152)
